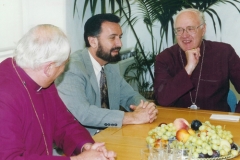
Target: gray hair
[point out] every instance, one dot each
(43, 43)
(197, 12)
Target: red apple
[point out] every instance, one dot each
(182, 135)
(181, 123)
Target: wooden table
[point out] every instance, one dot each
(130, 139)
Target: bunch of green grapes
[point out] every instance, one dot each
(161, 135)
(208, 142)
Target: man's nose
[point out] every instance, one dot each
(185, 33)
(118, 42)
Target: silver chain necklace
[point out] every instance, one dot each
(194, 106)
(34, 109)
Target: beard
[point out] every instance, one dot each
(107, 56)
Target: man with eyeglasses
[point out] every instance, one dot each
(195, 73)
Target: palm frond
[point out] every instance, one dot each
(234, 4)
(214, 24)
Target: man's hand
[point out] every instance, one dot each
(192, 60)
(90, 155)
(145, 112)
(94, 151)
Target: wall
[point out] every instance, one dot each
(18, 16)
(10, 26)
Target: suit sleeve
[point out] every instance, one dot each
(128, 96)
(169, 84)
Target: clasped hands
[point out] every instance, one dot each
(96, 151)
(145, 112)
(192, 56)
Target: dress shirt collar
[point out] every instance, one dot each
(96, 66)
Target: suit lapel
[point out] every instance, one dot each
(90, 71)
(111, 81)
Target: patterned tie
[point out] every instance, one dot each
(104, 90)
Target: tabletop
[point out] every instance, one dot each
(128, 140)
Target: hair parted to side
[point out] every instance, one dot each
(199, 13)
(43, 43)
(92, 27)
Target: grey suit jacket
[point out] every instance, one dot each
(79, 90)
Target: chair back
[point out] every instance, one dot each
(232, 100)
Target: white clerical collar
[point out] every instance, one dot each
(39, 89)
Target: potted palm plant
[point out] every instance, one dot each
(152, 12)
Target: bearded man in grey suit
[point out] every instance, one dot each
(79, 85)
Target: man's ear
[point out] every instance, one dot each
(48, 68)
(204, 29)
(93, 41)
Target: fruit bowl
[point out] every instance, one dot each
(204, 140)
(229, 156)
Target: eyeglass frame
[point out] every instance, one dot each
(186, 29)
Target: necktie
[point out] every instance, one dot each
(104, 90)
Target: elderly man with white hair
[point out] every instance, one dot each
(32, 115)
(195, 72)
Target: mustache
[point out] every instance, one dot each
(116, 48)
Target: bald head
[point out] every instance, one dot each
(194, 13)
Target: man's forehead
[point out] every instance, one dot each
(187, 18)
(111, 29)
